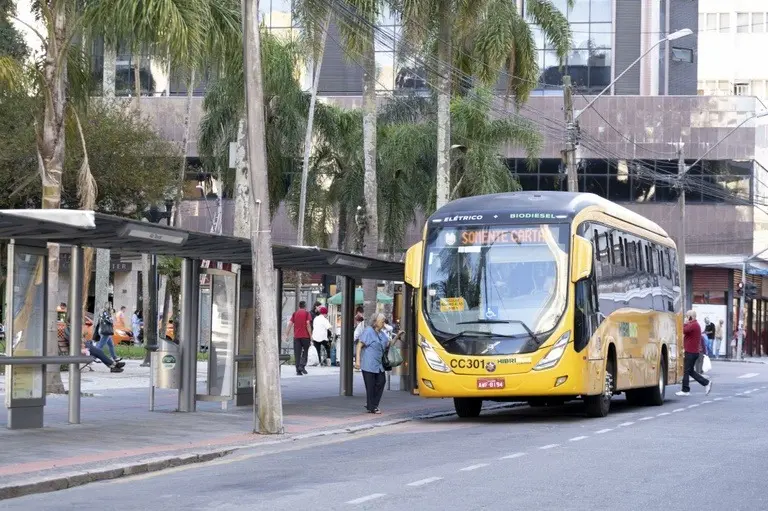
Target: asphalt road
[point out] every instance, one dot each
(697, 452)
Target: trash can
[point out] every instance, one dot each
(166, 365)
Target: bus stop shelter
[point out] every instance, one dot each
(221, 314)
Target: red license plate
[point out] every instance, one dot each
(490, 383)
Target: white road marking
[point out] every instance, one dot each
(706, 402)
(693, 406)
(372, 496)
(473, 467)
(747, 392)
(755, 390)
(513, 455)
(646, 418)
(718, 399)
(548, 446)
(577, 438)
(737, 394)
(625, 424)
(662, 414)
(422, 482)
(749, 375)
(606, 430)
(678, 410)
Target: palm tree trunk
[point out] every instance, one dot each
(177, 202)
(317, 64)
(266, 350)
(242, 185)
(52, 155)
(137, 79)
(101, 289)
(110, 64)
(370, 188)
(444, 64)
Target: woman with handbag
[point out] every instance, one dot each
(371, 349)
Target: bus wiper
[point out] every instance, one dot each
(501, 322)
(474, 333)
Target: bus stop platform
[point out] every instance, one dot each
(121, 437)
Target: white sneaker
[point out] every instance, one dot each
(682, 393)
(708, 388)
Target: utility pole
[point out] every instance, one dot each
(569, 154)
(266, 350)
(742, 304)
(681, 170)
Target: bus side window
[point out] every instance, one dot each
(622, 254)
(611, 249)
(596, 244)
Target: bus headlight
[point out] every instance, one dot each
(555, 353)
(433, 359)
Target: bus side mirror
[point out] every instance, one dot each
(581, 258)
(414, 259)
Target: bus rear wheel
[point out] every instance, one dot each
(467, 407)
(655, 394)
(600, 405)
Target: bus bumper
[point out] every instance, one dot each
(558, 381)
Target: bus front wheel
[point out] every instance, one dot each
(467, 407)
(600, 405)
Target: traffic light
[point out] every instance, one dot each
(749, 290)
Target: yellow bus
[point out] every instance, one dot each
(545, 297)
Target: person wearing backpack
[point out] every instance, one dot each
(370, 351)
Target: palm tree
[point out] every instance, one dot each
(189, 34)
(286, 111)
(356, 21)
(61, 78)
(482, 39)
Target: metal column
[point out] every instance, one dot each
(411, 336)
(347, 337)
(75, 330)
(279, 292)
(185, 338)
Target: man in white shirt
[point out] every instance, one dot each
(320, 328)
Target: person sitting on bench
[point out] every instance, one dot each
(90, 348)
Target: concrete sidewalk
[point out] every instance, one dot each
(120, 436)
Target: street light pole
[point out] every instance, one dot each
(572, 119)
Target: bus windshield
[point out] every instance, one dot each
(491, 290)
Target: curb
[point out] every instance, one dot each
(732, 361)
(74, 479)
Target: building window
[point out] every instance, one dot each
(742, 22)
(589, 62)
(725, 22)
(758, 22)
(741, 89)
(682, 55)
(711, 21)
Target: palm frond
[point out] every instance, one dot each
(553, 23)
(87, 191)
(12, 75)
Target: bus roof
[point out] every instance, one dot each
(543, 205)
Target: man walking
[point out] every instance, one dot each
(301, 321)
(692, 345)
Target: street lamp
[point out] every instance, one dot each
(572, 125)
(683, 169)
(671, 37)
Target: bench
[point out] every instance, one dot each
(63, 342)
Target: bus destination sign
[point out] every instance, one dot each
(494, 236)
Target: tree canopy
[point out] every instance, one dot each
(133, 166)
